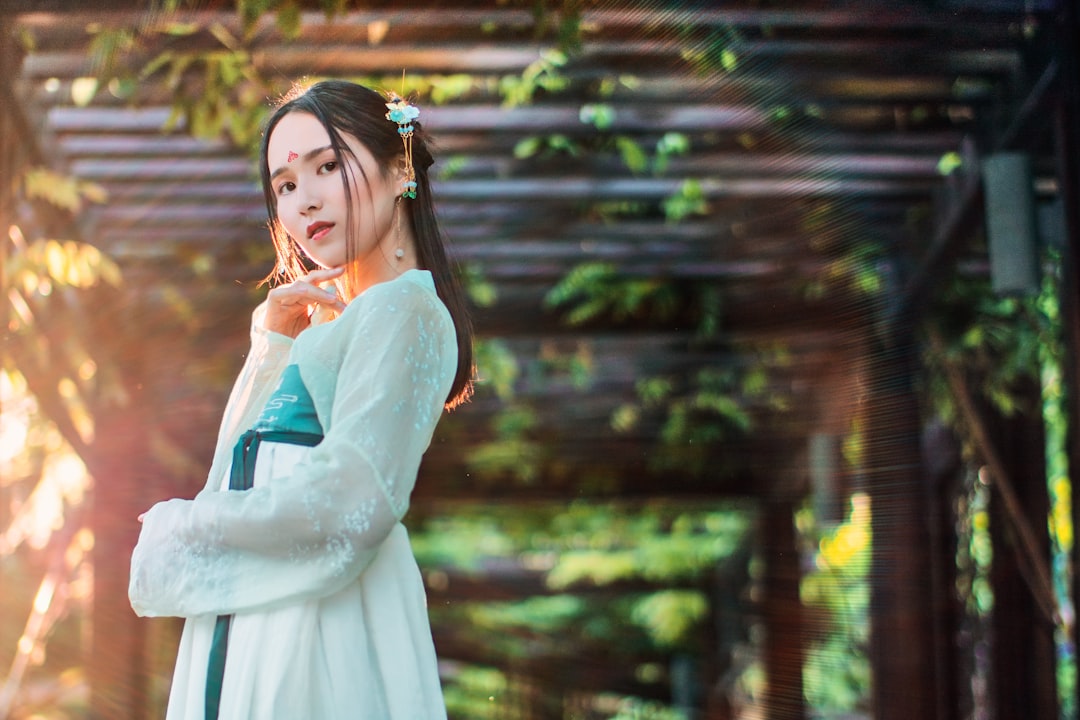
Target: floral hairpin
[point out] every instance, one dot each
(403, 113)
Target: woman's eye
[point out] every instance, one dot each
(330, 166)
(285, 187)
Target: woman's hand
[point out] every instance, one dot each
(288, 307)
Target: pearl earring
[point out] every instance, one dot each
(400, 252)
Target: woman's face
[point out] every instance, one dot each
(305, 177)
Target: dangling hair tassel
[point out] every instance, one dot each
(402, 113)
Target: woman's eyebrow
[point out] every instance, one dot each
(306, 156)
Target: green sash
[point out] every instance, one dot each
(289, 417)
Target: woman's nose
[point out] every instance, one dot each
(310, 201)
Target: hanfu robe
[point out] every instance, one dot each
(327, 617)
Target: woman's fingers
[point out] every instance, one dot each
(288, 307)
(301, 294)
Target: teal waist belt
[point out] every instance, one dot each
(242, 477)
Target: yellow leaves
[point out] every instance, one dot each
(44, 263)
(850, 540)
(61, 190)
(1061, 513)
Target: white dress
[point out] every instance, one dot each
(329, 612)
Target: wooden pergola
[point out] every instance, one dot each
(824, 128)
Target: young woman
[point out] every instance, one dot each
(302, 597)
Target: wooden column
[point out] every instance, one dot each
(783, 613)
(941, 455)
(901, 647)
(117, 669)
(1023, 682)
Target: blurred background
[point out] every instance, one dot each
(778, 324)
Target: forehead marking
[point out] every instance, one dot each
(292, 156)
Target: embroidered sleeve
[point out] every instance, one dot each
(266, 358)
(312, 532)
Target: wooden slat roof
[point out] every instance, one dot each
(846, 108)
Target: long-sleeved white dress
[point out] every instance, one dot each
(329, 612)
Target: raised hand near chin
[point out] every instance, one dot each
(289, 307)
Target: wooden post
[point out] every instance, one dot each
(1023, 661)
(901, 647)
(941, 456)
(783, 613)
(117, 668)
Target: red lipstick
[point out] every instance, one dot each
(317, 230)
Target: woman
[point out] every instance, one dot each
(293, 570)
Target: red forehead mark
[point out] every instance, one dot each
(292, 156)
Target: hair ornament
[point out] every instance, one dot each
(403, 113)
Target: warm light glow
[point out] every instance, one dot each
(377, 31)
(63, 483)
(44, 596)
(14, 419)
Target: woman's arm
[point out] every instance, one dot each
(313, 532)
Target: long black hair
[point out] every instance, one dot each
(345, 107)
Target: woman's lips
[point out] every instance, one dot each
(317, 231)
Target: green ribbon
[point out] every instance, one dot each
(242, 477)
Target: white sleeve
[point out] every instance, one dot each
(311, 533)
(265, 361)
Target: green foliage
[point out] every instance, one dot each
(601, 548)
(671, 616)
(559, 20)
(496, 367)
(440, 89)
(513, 452)
(540, 614)
(476, 692)
(687, 200)
(697, 413)
(595, 289)
(553, 365)
(631, 708)
(542, 75)
(1002, 347)
(949, 163)
(546, 146)
(652, 560)
(975, 551)
(632, 154)
(672, 143)
(479, 289)
(837, 670)
(1000, 342)
(855, 269)
(710, 51)
(599, 115)
(109, 46)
